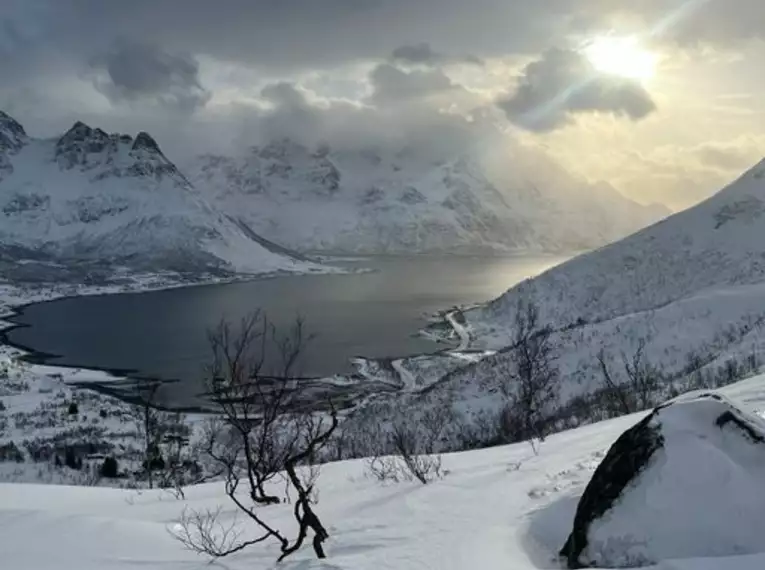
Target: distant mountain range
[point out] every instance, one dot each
(90, 197)
(375, 201)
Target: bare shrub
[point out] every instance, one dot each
(643, 385)
(265, 430)
(532, 379)
(408, 451)
(617, 394)
(205, 533)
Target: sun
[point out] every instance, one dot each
(622, 56)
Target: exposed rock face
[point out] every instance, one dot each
(12, 134)
(685, 482)
(12, 139)
(627, 457)
(114, 155)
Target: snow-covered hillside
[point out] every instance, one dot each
(111, 199)
(685, 297)
(496, 508)
(375, 201)
(714, 245)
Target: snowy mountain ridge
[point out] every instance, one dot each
(718, 243)
(111, 199)
(380, 201)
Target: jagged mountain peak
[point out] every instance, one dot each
(8, 122)
(94, 196)
(79, 129)
(144, 141)
(113, 154)
(12, 134)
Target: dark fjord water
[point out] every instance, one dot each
(375, 314)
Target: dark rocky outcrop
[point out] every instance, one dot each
(625, 460)
(12, 134)
(100, 152)
(144, 141)
(669, 486)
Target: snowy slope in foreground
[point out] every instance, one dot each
(375, 201)
(110, 199)
(497, 508)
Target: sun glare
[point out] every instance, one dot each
(622, 56)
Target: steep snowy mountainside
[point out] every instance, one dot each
(90, 196)
(373, 200)
(718, 243)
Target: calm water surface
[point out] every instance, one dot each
(163, 334)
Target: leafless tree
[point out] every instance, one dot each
(532, 378)
(264, 431)
(419, 460)
(163, 435)
(179, 467)
(644, 378)
(642, 381)
(617, 393)
(148, 420)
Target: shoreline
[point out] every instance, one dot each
(119, 382)
(14, 300)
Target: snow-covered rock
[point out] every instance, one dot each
(685, 482)
(376, 201)
(110, 199)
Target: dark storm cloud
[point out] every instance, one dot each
(46, 45)
(393, 85)
(132, 72)
(423, 54)
(563, 83)
(295, 34)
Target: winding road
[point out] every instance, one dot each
(460, 330)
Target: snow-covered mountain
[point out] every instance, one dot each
(687, 295)
(719, 243)
(375, 201)
(112, 199)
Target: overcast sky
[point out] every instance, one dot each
(440, 74)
